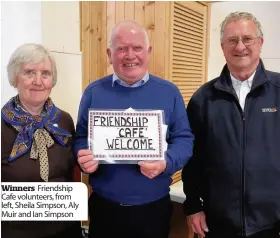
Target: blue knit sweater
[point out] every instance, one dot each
(124, 183)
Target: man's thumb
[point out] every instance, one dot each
(204, 225)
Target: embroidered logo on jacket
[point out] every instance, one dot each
(269, 109)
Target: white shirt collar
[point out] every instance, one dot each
(242, 88)
(236, 82)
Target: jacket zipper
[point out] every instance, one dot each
(243, 216)
(243, 188)
(243, 219)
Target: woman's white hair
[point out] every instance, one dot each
(235, 16)
(29, 53)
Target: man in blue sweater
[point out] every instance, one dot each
(132, 200)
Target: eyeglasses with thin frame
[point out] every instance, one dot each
(233, 41)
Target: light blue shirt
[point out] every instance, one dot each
(135, 85)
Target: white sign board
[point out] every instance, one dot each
(126, 135)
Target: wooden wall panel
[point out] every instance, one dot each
(159, 40)
(129, 10)
(168, 40)
(150, 28)
(111, 21)
(119, 11)
(97, 21)
(85, 43)
(139, 14)
(189, 48)
(102, 40)
(93, 70)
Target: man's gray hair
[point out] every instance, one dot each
(29, 53)
(235, 16)
(130, 22)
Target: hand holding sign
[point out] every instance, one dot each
(87, 161)
(152, 169)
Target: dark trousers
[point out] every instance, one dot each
(74, 231)
(272, 233)
(110, 219)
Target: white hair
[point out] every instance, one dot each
(127, 22)
(29, 53)
(235, 16)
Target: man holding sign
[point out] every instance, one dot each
(131, 200)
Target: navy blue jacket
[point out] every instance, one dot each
(235, 168)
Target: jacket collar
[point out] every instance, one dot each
(224, 81)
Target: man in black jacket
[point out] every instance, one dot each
(232, 182)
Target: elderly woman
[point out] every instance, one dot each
(36, 137)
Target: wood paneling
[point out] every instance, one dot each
(97, 21)
(189, 47)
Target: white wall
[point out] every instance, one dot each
(268, 15)
(57, 26)
(61, 34)
(21, 23)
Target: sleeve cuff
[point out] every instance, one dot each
(192, 206)
(168, 171)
